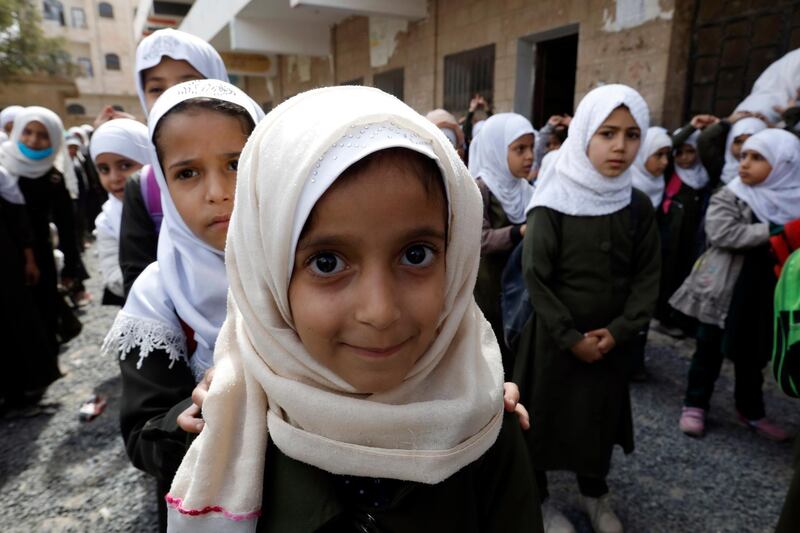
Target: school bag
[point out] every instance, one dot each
(151, 194)
(784, 243)
(515, 302)
(786, 350)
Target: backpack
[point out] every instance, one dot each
(786, 349)
(515, 302)
(151, 194)
(783, 243)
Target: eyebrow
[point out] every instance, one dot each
(190, 161)
(338, 240)
(611, 127)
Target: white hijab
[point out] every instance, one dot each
(653, 186)
(188, 280)
(570, 184)
(268, 387)
(15, 165)
(777, 199)
(781, 77)
(745, 126)
(764, 103)
(695, 176)
(180, 46)
(8, 114)
(474, 159)
(128, 138)
(512, 192)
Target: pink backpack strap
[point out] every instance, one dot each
(151, 193)
(673, 187)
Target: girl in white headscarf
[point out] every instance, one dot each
(119, 149)
(731, 287)
(163, 59)
(505, 158)
(357, 384)
(166, 332)
(7, 116)
(591, 264)
(652, 161)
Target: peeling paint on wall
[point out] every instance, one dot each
(632, 13)
(383, 39)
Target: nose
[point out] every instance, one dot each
(378, 304)
(219, 187)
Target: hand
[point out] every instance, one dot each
(512, 405)
(605, 340)
(191, 419)
(739, 115)
(566, 120)
(587, 349)
(555, 120)
(522, 229)
(476, 102)
(791, 103)
(109, 113)
(700, 122)
(32, 273)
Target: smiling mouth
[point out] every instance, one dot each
(376, 352)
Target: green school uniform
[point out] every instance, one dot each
(496, 493)
(584, 273)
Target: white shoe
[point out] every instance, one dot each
(554, 521)
(601, 515)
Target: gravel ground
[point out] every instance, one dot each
(58, 474)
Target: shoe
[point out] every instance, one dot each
(603, 518)
(693, 421)
(765, 428)
(554, 521)
(674, 332)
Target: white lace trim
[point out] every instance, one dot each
(129, 332)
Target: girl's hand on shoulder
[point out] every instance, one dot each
(700, 122)
(522, 229)
(512, 405)
(587, 349)
(605, 340)
(191, 419)
(739, 115)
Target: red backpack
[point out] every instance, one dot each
(784, 243)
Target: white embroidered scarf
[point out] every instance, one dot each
(266, 385)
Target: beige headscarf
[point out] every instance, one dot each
(445, 414)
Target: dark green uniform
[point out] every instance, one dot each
(496, 493)
(584, 273)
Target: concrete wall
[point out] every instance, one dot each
(45, 91)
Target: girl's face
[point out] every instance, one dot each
(685, 156)
(114, 169)
(657, 163)
(34, 135)
(736, 145)
(613, 146)
(553, 143)
(200, 155)
(753, 168)
(167, 73)
(368, 284)
(520, 156)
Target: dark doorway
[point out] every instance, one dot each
(556, 61)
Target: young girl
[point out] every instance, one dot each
(119, 149)
(163, 59)
(591, 264)
(357, 385)
(680, 218)
(720, 145)
(166, 332)
(730, 290)
(505, 154)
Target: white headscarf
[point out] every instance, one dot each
(474, 156)
(188, 279)
(3, 136)
(745, 126)
(444, 415)
(653, 186)
(128, 138)
(695, 176)
(497, 134)
(180, 46)
(781, 77)
(80, 134)
(777, 199)
(570, 184)
(8, 114)
(764, 103)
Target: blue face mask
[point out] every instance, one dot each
(36, 155)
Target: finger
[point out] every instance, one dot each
(199, 395)
(523, 416)
(189, 420)
(510, 396)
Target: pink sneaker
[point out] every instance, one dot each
(765, 428)
(693, 421)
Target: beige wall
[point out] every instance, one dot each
(46, 91)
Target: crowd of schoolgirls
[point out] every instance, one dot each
(403, 322)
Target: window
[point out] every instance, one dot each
(112, 62)
(390, 82)
(86, 67)
(53, 10)
(465, 74)
(78, 17)
(106, 10)
(76, 109)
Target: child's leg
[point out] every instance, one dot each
(747, 392)
(592, 487)
(705, 366)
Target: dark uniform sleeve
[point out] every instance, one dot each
(539, 255)
(711, 148)
(152, 398)
(64, 219)
(138, 241)
(20, 225)
(495, 240)
(683, 133)
(510, 500)
(646, 267)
